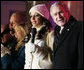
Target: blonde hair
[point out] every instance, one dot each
(25, 30)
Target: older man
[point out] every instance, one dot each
(68, 41)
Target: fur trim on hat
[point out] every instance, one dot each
(40, 9)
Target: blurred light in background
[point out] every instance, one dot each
(75, 7)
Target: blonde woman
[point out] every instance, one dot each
(17, 59)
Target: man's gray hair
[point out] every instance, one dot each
(57, 4)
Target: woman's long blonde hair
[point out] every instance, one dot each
(25, 30)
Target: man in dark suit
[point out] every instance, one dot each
(68, 41)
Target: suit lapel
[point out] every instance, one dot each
(65, 32)
(63, 36)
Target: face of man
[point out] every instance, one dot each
(60, 15)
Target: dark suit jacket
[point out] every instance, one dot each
(9, 62)
(68, 47)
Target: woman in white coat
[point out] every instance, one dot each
(38, 50)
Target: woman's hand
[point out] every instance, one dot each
(30, 47)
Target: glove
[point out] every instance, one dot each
(30, 47)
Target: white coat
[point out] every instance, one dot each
(37, 55)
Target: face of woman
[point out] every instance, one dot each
(36, 19)
(5, 38)
(18, 33)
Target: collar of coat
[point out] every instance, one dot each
(41, 32)
(69, 24)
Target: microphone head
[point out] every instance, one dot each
(33, 31)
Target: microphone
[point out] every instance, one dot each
(33, 33)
